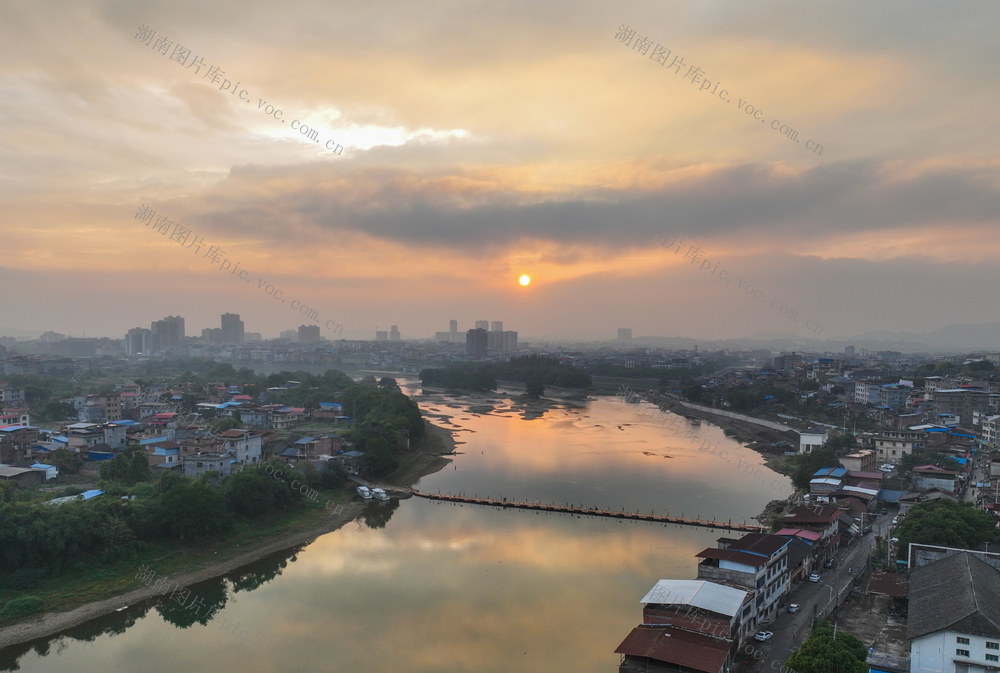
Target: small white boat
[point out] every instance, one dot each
(380, 494)
(365, 492)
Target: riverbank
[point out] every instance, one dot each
(756, 437)
(212, 562)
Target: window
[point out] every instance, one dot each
(992, 657)
(962, 641)
(992, 646)
(962, 653)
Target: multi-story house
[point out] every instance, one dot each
(756, 561)
(891, 445)
(812, 438)
(688, 625)
(961, 402)
(243, 445)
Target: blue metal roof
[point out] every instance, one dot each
(305, 440)
(92, 493)
(290, 452)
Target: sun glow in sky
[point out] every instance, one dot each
(524, 280)
(366, 158)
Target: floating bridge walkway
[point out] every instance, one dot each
(590, 511)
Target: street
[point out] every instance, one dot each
(814, 599)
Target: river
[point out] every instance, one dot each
(423, 586)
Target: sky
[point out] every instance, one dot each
(709, 170)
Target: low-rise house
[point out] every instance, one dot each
(198, 464)
(812, 438)
(926, 477)
(911, 499)
(860, 461)
(21, 476)
(954, 616)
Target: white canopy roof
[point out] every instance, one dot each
(699, 593)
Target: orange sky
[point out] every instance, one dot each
(483, 141)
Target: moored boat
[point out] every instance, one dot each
(364, 492)
(380, 494)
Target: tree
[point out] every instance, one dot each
(534, 385)
(946, 523)
(806, 465)
(822, 653)
(127, 468)
(67, 462)
(192, 509)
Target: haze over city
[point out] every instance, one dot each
(454, 147)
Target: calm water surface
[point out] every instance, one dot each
(425, 586)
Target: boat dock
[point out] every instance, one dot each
(591, 511)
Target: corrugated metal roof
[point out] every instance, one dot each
(699, 593)
(675, 646)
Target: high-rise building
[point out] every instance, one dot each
(483, 324)
(496, 326)
(169, 331)
(212, 334)
(502, 341)
(232, 328)
(624, 335)
(309, 334)
(381, 335)
(139, 341)
(289, 334)
(394, 333)
(477, 342)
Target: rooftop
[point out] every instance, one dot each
(958, 593)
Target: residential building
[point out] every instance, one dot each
(477, 342)
(860, 461)
(756, 561)
(890, 446)
(198, 464)
(954, 616)
(232, 328)
(168, 332)
(926, 477)
(19, 416)
(688, 625)
(11, 396)
(309, 334)
(961, 402)
(243, 445)
(812, 438)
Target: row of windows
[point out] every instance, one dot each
(990, 645)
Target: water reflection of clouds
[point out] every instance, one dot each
(480, 589)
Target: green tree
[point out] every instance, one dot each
(534, 385)
(67, 461)
(807, 464)
(946, 523)
(822, 652)
(193, 509)
(127, 468)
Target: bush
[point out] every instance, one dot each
(19, 607)
(24, 578)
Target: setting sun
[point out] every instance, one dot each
(524, 280)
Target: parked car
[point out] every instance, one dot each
(814, 577)
(829, 563)
(895, 520)
(763, 635)
(793, 608)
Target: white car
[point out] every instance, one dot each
(814, 577)
(793, 608)
(763, 635)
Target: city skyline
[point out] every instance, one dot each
(708, 172)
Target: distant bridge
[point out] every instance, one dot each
(591, 511)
